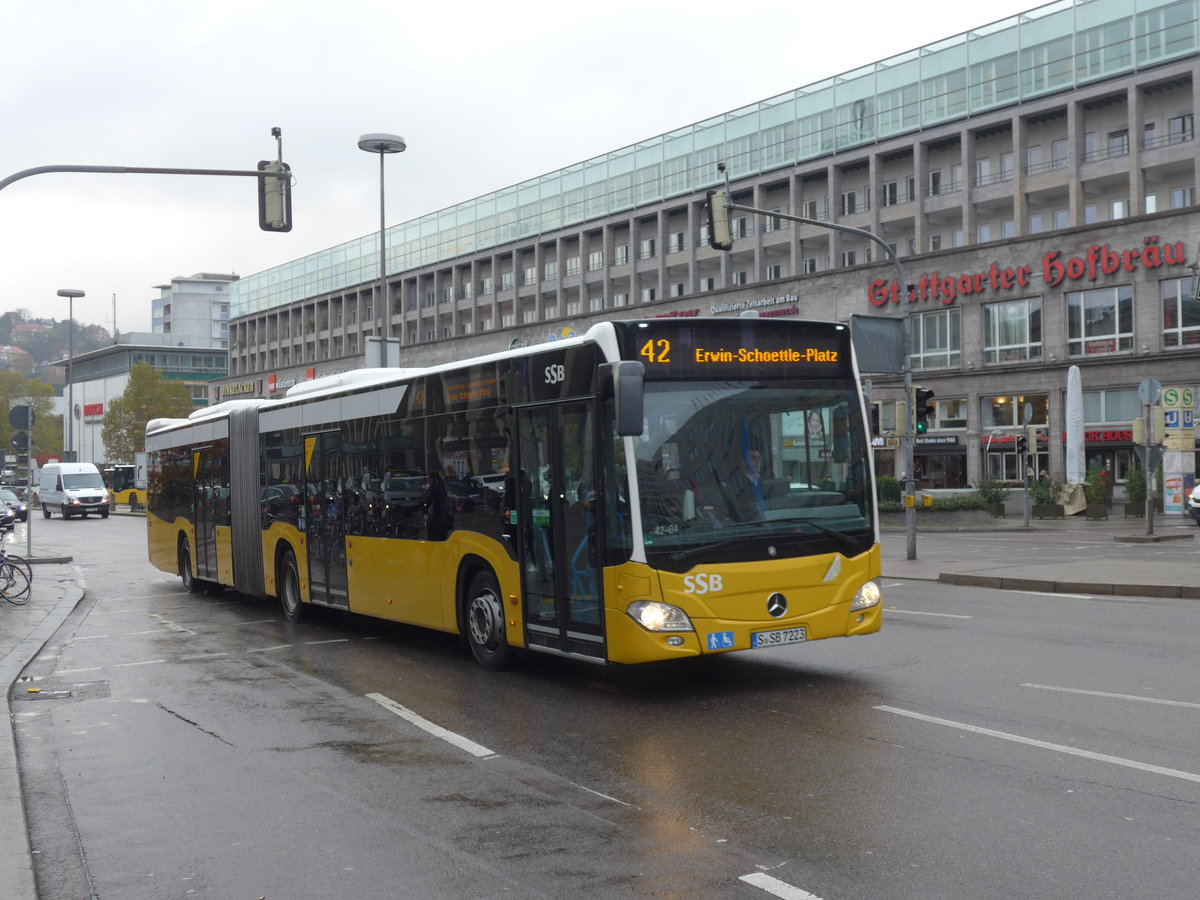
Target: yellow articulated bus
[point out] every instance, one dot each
(649, 490)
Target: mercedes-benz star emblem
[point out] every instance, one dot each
(777, 605)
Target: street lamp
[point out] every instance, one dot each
(383, 144)
(70, 294)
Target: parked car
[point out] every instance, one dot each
(1193, 504)
(8, 519)
(15, 503)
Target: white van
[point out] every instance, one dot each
(72, 489)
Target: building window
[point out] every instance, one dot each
(708, 284)
(1012, 330)
(983, 172)
(774, 272)
(1183, 196)
(935, 242)
(649, 248)
(550, 270)
(1008, 228)
(596, 304)
(1100, 322)
(649, 295)
(739, 227)
(1151, 203)
(620, 299)
(937, 339)
(849, 203)
(935, 182)
(529, 275)
(485, 284)
(1111, 407)
(810, 265)
(958, 237)
(1119, 209)
(1006, 166)
(1059, 154)
(506, 281)
(677, 289)
(595, 260)
(1035, 224)
(677, 242)
(739, 278)
(1118, 143)
(1180, 314)
(808, 210)
(985, 233)
(1062, 218)
(1180, 128)
(572, 265)
(849, 258)
(891, 193)
(1006, 411)
(621, 254)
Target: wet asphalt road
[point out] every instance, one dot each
(985, 744)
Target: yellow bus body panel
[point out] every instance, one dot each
(818, 589)
(224, 555)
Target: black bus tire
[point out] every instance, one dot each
(288, 580)
(190, 582)
(483, 619)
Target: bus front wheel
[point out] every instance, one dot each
(289, 588)
(485, 623)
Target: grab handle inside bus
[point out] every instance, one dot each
(627, 378)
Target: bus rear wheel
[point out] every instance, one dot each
(185, 568)
(485, 623)
(288, 580)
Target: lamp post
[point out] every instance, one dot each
(383, 144)
(70, 294)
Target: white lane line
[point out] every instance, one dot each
(270, 649)
(438, 731)
(144, 662)
(776, 887)
(913, 612)
(330, 641)
(1067, 690)
(88, 637)
(1045, 745)
(77, 671)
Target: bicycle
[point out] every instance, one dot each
(15, 578)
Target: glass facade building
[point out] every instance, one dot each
(1053, 48)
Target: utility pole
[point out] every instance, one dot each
(721, 238)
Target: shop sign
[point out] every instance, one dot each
(1112, 436)
(940, 441)
(93, 411)
(1100, 259)
(760, 303)
(678, 314)
(234, 390)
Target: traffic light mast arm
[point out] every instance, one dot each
(910, 520)
(263, 175)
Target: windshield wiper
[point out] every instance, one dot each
(832, 532)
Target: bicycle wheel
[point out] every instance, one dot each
(19, 561)
(14, 584)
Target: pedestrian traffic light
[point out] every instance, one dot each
(923, 404)
(20, 441)
(875, 419)
(1022, 444)
(718, 221)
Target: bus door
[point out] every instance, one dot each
(557, 515)
(325, 525)
(204, 520)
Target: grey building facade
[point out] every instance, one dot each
(1035, 176)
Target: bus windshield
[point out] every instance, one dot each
(739, 470)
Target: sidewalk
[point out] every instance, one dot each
(54, 593)
(1072, 555)
(1064, 556)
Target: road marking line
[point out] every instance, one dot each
(1045, 745)
(144, 662)
(270, 649)
(776, 887)
(1066, 690)
(913, 612)
(330, 641)
(77, 671)
(438, 731)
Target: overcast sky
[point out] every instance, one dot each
(487, 94)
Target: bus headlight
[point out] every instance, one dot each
(867, 596)
(655, 616)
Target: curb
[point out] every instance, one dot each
(1186, 592)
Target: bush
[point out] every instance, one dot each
(1135, 486)
(1046, 491)
(887, 489)
(1095, 486)
(991, 492)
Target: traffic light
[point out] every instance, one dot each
(718, 221)
(875, 419)
(20, 441)
(275, 197)
(1022, 444)
(923, 404)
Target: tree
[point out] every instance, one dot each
(39, 395)
(149, 395)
